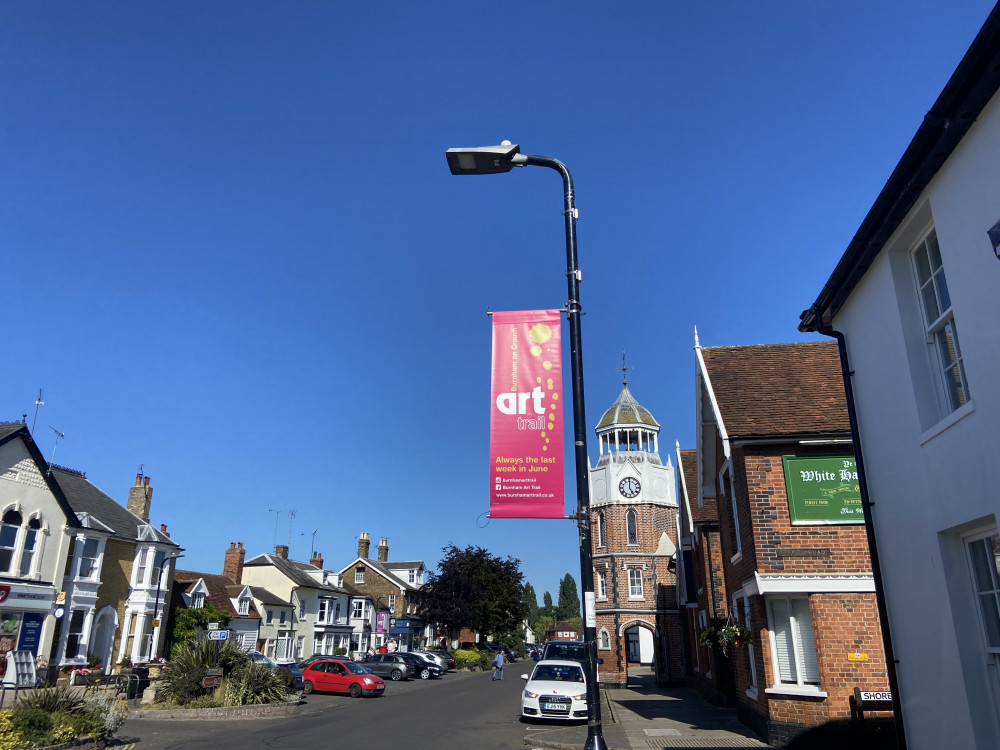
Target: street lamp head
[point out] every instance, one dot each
(484, 159)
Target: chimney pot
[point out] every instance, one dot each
(138, 480)
(145, 482)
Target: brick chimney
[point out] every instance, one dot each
(232, 568)
(140, 497)
(364, 543)
(383, 550)
(316, 560)
(163, 530)
(281, 550)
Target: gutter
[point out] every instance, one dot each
(866, 505)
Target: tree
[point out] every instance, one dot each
(547, 609)
(531, 602)
(185, 624)
(474, 589)
(569, 599)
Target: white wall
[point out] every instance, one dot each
(932, 478)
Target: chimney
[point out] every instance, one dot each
(316, 560)
(140, 497)
(232, 568)
(383, 550)
(163, 530)
(281, 550)
(364, 542)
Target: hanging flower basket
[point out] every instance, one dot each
(730, 637)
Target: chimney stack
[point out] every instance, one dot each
(364, 543)
(163, 530)
(232, 567)
(281, 550)
(140, 497)
(383, 550)
(316, 560)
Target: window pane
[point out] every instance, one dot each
(942, 286)
(29, 551)
(807, 645)
(923, 268)
(931, 309)
(934, 251)
(991, 619)
(951, 363)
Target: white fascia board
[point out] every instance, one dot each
(684, 487)
(855, 584)
(707, 384)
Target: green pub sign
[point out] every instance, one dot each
(822, 489)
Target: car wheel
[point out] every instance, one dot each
(425, 673)
(355, 690)
(395, 675)
(307, 688)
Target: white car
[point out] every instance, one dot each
(556, 689)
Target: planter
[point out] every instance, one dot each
(155, 671)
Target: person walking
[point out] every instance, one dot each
(498, 666)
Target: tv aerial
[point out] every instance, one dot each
(56, 445)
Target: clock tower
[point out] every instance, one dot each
(634, 531)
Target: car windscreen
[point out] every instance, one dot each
(565, 651)
(557, 673)
(354, 668)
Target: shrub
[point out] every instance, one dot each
(188, 662)
(103, 715)
(466, 658)
(53, 700)
(32, 724)
(340, 652)
(255, 684)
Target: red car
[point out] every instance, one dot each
(341, 676)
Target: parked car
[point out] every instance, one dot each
(267, 661)
(575, 650)
(341, 676)
(434, 658)
(450, 662)
(424, 668)
(508, 654)
(556, 689)
(393, 666)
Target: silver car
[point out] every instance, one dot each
(435, 658)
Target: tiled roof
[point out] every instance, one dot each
(775, 390)
(626, 411)
(221, 591)
(84, 497)
(294, 571)
(689, 465)
(266, 597)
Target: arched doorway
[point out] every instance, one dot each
(639, 645)
(102, 636)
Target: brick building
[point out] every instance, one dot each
(634, 517)
(774, 453)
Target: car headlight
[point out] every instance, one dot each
(529, 694)
(369, 681)
(580, 697)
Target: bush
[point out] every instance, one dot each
(33, 725)
(466, 658)
(188, 662)
(340, 652)
(255, 684)
(53, 700)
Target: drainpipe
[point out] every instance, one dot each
(866, 505)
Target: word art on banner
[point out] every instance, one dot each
(526, 426)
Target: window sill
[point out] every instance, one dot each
(803, 691)
(959, 414)
(636, 598)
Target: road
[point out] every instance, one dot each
(461, 709)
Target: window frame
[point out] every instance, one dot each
(940, 332)
(5, 525)
(979, 593)
(635, 572)
(801, 634)
(602, 538)
(632, 527)
(359, 575)
(602, 584)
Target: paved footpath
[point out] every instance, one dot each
(646, 717)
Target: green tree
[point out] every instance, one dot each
(569, 599)
(185, 623)
(477, 590)
(531, 602)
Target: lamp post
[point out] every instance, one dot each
(503, 158)
(156, 605)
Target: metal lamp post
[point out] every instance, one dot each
(156, 605)
(503, 158)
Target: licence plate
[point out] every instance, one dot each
(555, 707)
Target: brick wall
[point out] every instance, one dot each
(116, 574)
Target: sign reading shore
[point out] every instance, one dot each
(823, 489)
(526, 426)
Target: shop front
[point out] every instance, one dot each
(23, 609)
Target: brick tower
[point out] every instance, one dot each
(634, 522)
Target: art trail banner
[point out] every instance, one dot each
(526, 426)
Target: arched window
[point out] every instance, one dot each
(8, 539)
(633, 533)
(601, 530)
(604, 640)
(30, 542)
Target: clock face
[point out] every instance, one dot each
(629, 487)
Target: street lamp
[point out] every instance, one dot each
(156, 604)
(503, 158)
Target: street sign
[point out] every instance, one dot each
(211, 682)
(218, 635)
(213, 672)
(156, 623)
(213, 626)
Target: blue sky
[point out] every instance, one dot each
(231, 250)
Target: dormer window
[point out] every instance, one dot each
(244, 607)
(197, 601)
(413, 576)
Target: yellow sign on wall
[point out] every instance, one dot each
(857, 656)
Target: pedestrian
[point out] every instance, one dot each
(371, 652)
(498, 666)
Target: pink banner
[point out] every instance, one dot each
(526, 426)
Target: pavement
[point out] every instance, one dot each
(646, 717)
